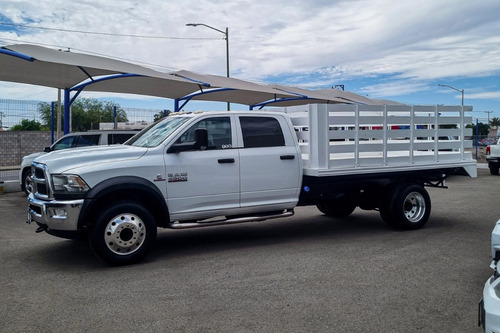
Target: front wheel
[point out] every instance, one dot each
(123, 234)
(409, 208)
(27, 182)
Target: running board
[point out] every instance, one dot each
(230, 220)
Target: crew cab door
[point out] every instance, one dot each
(205, 179)
(270, 163)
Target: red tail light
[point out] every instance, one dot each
(488, 150)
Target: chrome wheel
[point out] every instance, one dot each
(124, 234)
(27, 182)
(406, 206)
(414, 207)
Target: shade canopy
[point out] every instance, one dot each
(66, 70)
(224, 89)
(72, 71)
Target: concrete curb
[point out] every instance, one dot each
(11, 186)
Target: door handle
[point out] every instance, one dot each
(287, 157)
(226, 160)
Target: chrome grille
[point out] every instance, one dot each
(39, 173)
(41, 183)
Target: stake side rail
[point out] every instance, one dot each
(351, 139)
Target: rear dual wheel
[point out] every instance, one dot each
(408, 207)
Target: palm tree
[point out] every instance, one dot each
(495, 122)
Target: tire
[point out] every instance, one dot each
(385, 210)
(336, 209)
(410, 208)
(123, 234)
(27, 182)
(494, 170)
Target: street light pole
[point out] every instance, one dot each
(226, 37)
(459, 90)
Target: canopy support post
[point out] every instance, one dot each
(66, 111)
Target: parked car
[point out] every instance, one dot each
(489, 306)
(488, 142)
(493, 158)
(72, 140)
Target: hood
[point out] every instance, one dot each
(33, 155)
(65, 160)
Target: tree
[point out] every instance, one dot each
(495, 122)
(87, 113)
(27, 125)
(483, 129)
(161, 114)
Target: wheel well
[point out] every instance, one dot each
(372, 198)
(151, 202)
(28, 168)
(25, 170)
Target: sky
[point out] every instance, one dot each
(385, 49)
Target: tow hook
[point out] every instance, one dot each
(40, 229)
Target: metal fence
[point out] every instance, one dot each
(14, 145)
(13, 111)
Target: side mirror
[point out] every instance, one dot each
(46, 150)
(200, 142)
(201, 138)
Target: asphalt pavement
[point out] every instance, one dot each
(307, 273)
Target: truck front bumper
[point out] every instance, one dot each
(59, 218)
(489, 307)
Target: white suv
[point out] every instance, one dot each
(72, 140)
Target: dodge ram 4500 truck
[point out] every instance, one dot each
(212, 168)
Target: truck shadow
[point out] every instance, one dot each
(288, 232)
(70, 255)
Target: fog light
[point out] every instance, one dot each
(59, 213)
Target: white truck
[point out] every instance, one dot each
(214, 168)
(72, 140)
(493, 157)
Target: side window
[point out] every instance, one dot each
(63, 143)
(218, 129)
(118, 138)
(87, 140)
(261, 132)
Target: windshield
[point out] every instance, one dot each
(156, 133)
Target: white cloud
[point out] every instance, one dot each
(485, 95)
(27, 92)
(394, 88)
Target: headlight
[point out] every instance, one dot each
(69, 184)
